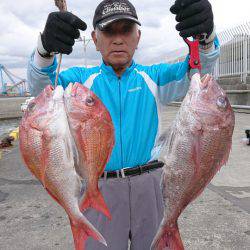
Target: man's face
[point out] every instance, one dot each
(117, 43)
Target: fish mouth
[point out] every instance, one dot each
(58, 93)
(48, 93)
(75, 88)
(68, 90)
(199, 83)
(206, 80)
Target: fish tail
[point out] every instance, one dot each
(95, 201)
(167, 238)
(81, 230)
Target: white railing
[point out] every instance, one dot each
(235, 53)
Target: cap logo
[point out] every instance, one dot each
(115, 7)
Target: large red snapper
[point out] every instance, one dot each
(93, 131)
(47, 149)
(198, 145)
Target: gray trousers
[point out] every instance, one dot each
(136, 207)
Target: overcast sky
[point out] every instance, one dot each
(21, 22)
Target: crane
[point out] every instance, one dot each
(18, 85)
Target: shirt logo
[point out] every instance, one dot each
(135, 89)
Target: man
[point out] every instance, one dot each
(134, 95)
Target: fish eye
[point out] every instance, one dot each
(31, 106)
(222, 102)
(89, 101)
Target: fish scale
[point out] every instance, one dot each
(48, 151)
(93, 132)
(198, 144)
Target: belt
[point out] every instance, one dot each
(150, 166)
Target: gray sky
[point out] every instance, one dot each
(21, 22)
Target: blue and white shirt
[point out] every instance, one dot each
(134, 100)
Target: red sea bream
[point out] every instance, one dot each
(47, 150)
(198, 144)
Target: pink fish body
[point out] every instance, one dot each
(93, 131)
(198, 144)
(47, 150)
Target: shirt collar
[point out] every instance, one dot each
(110, 70)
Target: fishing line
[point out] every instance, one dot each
(62, 6)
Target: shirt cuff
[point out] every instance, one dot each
(208, 49)
(42, 62)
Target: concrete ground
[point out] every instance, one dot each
(217, 219)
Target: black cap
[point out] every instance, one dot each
(109, 11)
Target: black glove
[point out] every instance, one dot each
(194, 17)
(60, 32)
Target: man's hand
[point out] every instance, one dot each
(195, 18)
(60, 32)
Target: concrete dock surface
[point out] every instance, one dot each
(10, 107)
(218, 219)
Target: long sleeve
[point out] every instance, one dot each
(172, 79)
(40, 77)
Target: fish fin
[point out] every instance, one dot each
(83, 229)
(226, 156)
(167, 238)
(45, 147)
(166, 145)
(53, 196)
(97, 202)
(196, 152)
